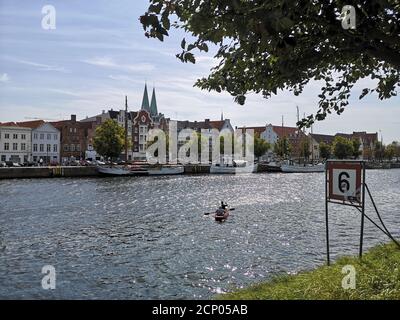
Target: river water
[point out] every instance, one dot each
(148, 237)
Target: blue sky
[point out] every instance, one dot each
(98, 53)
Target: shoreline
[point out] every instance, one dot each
(376, 276)
(91, 171)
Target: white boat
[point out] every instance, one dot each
(303, 168)
(237, 166)
(165, 170)
(114, 171)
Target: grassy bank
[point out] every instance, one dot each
(377, 277)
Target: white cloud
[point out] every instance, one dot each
(108, 62)
(4, 78)
(39, 66)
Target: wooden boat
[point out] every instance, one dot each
(221, 215)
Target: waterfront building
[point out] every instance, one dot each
(72, 140)
(15, 143)
(272, 133)
(45, 141)
(315, 140)
(367, 142)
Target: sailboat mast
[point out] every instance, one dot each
(126, 129)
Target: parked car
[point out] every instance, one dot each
(3, 164)
(99, 163)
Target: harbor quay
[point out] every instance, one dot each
(75, 171)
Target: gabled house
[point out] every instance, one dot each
(45, 141)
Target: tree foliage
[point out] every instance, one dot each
(260, 147)
(109, 140)
(282, 147)
(342, 148)
(356, 147)
(305, 151)
(324, 150)
(265, 46)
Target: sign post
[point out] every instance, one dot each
(345, 185)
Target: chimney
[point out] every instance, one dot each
(207, 121)
(73, 117)
(104, 111)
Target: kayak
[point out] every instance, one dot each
(221, 215)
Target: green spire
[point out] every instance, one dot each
(153, 105)
(145, 101)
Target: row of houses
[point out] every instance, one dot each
(62, 141)
(272, 133)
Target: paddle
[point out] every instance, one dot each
(207, 213)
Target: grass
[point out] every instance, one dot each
(377, 277)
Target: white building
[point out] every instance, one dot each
(15, 143)
(45, 141)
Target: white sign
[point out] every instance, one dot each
(344, 182)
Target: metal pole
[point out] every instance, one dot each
(362, 210)
(326, 215)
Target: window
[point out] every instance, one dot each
(48, 136)
(3, 158)
(66, 147)
(55, 137)
(74, 130)
(70, 130)
(15, 136)
(35, 147)
(78, 147)
(23, 146)
(6, 136)
(55, 148)
(15, 146)
(34, 158)
(72, 148)
(23, 136)
(136, 130)
(42, 136)
(41, 147)
(48, 148)
(6, 146)
(35, 136)
(136, 139)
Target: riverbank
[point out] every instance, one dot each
(377, 277)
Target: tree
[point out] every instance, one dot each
(356, 147)
(379, 150)
(390, 151)
(342, 148)
(282, 147)
(324, 150)
(266, 46)
(305, 151)
(260, 147)
(109, 140)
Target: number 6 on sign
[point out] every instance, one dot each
(345, 181)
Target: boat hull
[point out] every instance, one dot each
(232, 170)
(220, 218)
(302, 169)
(114, 171)
(166, 171)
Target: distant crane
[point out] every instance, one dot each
(36, 118)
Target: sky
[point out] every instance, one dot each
(98, 53)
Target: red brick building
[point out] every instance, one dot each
(73, 139)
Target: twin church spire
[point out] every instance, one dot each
(152, 107)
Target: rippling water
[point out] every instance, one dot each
(148, 238)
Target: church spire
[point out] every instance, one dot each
(153, 104)
(222, 116)
(145, 101)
